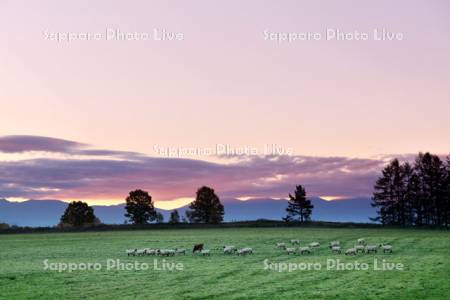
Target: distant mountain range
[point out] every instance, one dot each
(47, 212)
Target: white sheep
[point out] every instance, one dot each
(290, 250)
(149, 251)
(229, 249)
(386, 248)
(335, 249)
(140, 252)
(295, 242)
(304, 250)
(359, 248)
(281, 246)
(314, 245)
(351, 251)
(361, 241)
(205, 252)
(166, 252)
(180, 251)
(131, 252)
(371, 248)
(334, 243)
(244, 251)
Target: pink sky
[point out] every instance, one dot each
(223, 83)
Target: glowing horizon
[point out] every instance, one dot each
(162, 204)
(332, 198)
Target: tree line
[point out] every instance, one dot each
(206, 208)
(140, 209)
(415, 194)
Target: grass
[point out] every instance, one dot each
(424, 253)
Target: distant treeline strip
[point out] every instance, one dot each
(157, 226)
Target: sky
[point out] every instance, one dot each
(209, 93)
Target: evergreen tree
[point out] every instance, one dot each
(446, 202)
(418, 195)
(413, 204)
(299, 208)
(431, 173)
(386, 193)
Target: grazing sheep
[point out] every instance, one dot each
(180, 251)
(314, 245)
(351, 251)
(197, 248)
(386, 248)
(290, 250)
(334, 243)
(149, 251)
(361, 241)
(304, 250)
(141, 252)
(281, 246)
(206, 252)
(244, 251)
(131, 252)
(371, 248)
(336, 249)
(359, 248)
(166, 252)
(229, 249)
(295, 242)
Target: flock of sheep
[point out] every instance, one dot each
(229, 249)
(149, 251)
(335, 247)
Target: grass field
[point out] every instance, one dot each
(424, 254)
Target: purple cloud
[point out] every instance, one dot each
(28, 143)
(25, 143)
(169, 178)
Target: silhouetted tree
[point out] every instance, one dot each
(431, 173)
(139, 207)
(411, 198)
(206, 208)
(299, 208)
(174, 217)
(390, 194)
(447, 193)
(78, 214)
(414, 195)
